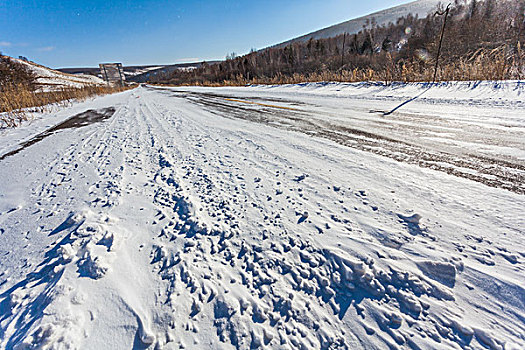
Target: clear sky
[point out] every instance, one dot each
(78, 33)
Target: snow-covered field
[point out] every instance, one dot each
(278, 217)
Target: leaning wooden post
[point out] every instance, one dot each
(440, 40)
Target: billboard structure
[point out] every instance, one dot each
(112, 73)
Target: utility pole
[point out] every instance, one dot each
(440, 39)
(518, 47)
(343, 55)
(119, 67)
(106, 74)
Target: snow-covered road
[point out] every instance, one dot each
(279, 217)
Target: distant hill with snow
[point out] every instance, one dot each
(420, 8)
(139, 74)
(129, 71)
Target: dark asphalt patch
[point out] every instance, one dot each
(78, 121)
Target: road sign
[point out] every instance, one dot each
(112, 73)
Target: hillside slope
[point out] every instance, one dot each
(50, 79)
(420, 8)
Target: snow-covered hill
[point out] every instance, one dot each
(420, 8)
(50, 79)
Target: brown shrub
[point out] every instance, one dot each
(17, 102)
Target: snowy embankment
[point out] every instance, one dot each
(49, 79)
(280, 217)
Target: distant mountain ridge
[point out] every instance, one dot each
(138, 74)
(420, 8)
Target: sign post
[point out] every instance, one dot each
(112, 73)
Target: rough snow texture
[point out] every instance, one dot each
(50, 79)
(191, 220)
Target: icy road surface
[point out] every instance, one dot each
(292, 217)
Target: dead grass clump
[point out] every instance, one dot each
(19, 101)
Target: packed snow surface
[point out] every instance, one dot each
(310, 216)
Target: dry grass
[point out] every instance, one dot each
(18, 102)
(497, 64)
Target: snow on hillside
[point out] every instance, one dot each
(50, 79)
(279, 217)
(420, 8)
(138, 71)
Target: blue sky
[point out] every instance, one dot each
(75, 33)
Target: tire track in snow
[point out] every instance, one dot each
(496, 172)
(191, 203)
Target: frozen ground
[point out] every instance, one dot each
(282, 217)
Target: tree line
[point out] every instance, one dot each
(482, 40)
